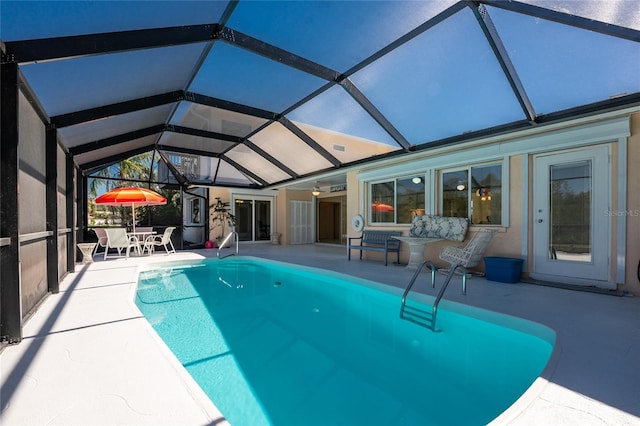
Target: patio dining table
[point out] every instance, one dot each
(142, 237)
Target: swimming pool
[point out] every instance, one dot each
(272, 343)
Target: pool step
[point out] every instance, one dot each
(417, 316)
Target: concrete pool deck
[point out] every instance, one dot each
(88, 357)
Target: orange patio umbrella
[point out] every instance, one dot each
(131, 196)
(381, 207)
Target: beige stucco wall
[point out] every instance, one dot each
(632, 284)
(508, 240)
(353, 201)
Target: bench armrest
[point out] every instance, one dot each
(355, 238)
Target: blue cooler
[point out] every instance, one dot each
(503, 269)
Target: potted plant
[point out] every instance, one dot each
(221, 217)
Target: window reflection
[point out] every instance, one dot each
(455, 194)
(486, 195)
(410, 198)
(382, 202)
(253, 219)
(570, 201)
(475, 192)
(398, 201)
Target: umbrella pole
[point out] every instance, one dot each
(133, 208)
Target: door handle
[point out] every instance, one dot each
(539, 220)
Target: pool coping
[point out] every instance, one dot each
(201, 398)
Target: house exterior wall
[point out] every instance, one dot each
(279, 210)
(508, 240)
(632, 244)
(615, 221)
(515, 237)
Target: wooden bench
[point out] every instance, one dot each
(376, 241)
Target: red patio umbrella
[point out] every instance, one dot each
(131, 196)
(381, 207)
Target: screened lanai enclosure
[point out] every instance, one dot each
(269, 94)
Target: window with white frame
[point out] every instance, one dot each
(398, 200)
(474, 192)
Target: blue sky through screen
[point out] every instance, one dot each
(444, 83)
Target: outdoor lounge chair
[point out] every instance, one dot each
(118, 239)
(102, 240)
(160, 240)
(469, 255)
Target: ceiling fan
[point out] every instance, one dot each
(316, 191)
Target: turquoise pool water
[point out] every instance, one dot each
(272, 343)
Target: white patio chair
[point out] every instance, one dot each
(118, 239)
(102, 240)
(160, 240)
(141, 233)
(469, 255)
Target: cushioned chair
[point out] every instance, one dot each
(469, 255)
(102, 239)
(160, 240)
(118, 239)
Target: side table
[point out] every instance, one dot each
(86, 249)
(416, 249)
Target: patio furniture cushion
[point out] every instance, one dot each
(432, 226)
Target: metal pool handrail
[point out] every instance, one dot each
(415, 276)
(226, 239)
(434, 310)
